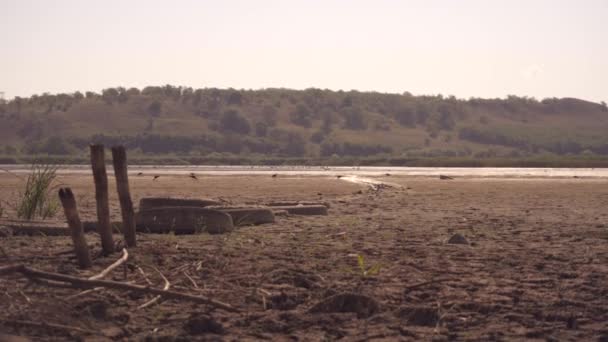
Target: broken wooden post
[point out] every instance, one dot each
(101, 197)
(119, 158)
(71, 213)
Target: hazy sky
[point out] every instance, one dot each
(481, 48)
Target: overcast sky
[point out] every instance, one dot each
(479, 48)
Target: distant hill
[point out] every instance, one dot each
(313, 123)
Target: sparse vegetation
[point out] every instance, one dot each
(36, 199)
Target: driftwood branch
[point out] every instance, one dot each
(104, 273)
(89, 283)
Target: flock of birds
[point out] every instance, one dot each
(275, 175)
(155, 177)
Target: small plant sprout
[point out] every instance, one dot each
(364, 270)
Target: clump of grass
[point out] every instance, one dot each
(36, 199)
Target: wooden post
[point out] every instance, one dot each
(101, 197)
(119, 158)
(71, 213)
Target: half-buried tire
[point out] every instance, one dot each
(159, 202)
(294, 203)
(183, 220)
(303, 209)
(247, 216)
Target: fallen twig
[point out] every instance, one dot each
(88, 283)
(49, 325)
(155, 299)
(10, 269)
(104, 273)
(4, 253)
(191, 280)
(24, 296)
(50, 283)
(144, 275)
(415, 286)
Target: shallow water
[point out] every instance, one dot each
(337, 170)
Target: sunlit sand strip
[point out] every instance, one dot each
(373, 183)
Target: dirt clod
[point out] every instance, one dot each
(458, 239)
(113, 332)
(363, 306)
(419, 315)
(202, 324)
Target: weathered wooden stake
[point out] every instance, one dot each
(71, 213)
(119, 158)
(101, 197)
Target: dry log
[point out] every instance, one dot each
(43, 228)
(48, 228)
(183, 220)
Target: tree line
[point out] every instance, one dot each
(286, 123)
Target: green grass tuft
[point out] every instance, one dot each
(36, 199)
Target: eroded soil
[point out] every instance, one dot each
(536, 266)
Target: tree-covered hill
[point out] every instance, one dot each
(308, 124)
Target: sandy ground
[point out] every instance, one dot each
(536, 266)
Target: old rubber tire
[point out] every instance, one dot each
(248, 216)
(303, 209)
(295, 203)
(183, 220)
(158, 202)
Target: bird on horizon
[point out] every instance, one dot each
(193, 176)
(140, 173)
(155, 177)
(274, 175)
(339, 176)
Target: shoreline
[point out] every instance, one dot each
(334, 171)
